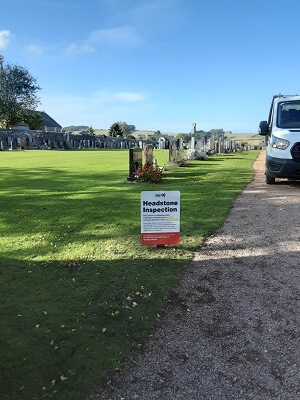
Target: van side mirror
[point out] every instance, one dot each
(264, 129)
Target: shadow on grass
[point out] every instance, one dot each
(66, 203)
(75, 321)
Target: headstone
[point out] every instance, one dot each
(39, 143)
(135, 163)
(148, 154)
(179, 144)
(13, 144)
(221, 143)
(193, 131)
(23, 144)
(162, 143)
(172, 151)
(192, 142)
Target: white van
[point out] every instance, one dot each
(283, 132)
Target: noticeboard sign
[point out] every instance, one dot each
(160, 217)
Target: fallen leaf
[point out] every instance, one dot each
(37, 326)
(63, 378)
(62, 326)
(103, 330)
(54, 380)
(52, 343)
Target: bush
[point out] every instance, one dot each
(196, 155)
(149, 173)
(180, 160)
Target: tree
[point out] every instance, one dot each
(34, 120)
(90, 130)
(125, 128)
(17, 93)
(131, 128)
(157, 133)
(115, 130)
(186, 137)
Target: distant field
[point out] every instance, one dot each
(77, 290)
(136, 133)
(254, 139)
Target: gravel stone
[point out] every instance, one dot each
(240, 338)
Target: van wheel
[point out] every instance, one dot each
(270, 180)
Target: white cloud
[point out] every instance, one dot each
(120, 36)
(109, 97)
(128, 97)
(75, 48)
(123, 36)
(34, 49)
(5, 37)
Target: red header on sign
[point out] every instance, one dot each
(152, 239)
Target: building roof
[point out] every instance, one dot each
(48, 121)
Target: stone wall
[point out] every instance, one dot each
(31, 140)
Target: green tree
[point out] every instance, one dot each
(125, 128)
(90, 130)
(131, 128)
(17, 93)
(34, 120)
(184, 136)
(115, 130)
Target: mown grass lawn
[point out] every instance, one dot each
(77, 290)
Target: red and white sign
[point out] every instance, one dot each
(160, 217)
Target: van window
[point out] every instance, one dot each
(288, 114)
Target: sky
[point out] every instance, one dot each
(156, 64)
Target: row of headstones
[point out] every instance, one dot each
(214, 144)
(31, 143)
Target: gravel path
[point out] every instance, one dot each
(231, 328)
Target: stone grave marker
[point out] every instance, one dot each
(172, 150)
(135, 163)
(3, 145)
(148, 154)
(23, 144)
(13, 144)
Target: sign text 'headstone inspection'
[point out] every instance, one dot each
(160, 217)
